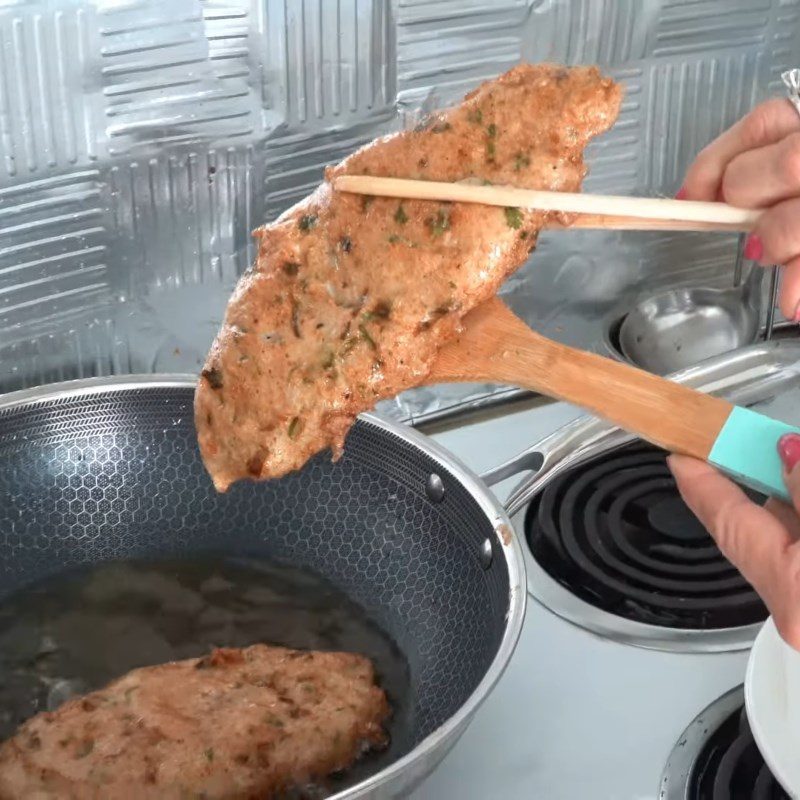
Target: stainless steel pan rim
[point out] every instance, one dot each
(414, 766)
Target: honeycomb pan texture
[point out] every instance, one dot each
(117, 475)
(141, 141)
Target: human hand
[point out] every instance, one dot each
(756, 164)
(762, 542)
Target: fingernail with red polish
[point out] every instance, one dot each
(680, 194)
(753, 247)
(789, 450)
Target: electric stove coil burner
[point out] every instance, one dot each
(716, 758)
(615, 532)
(731, 766)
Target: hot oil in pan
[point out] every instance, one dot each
(74, 633)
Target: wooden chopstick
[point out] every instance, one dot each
(611, 222)
(598, 211)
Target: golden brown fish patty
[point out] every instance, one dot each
(351, 297)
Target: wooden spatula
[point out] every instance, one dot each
(497, 346)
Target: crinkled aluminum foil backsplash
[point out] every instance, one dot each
(142, 140)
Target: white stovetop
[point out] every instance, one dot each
(574, 716)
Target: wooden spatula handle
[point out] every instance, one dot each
(497, 346)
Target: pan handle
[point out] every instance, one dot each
(750, 375)
(530, 460)
(561, 448)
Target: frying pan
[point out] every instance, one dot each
(108, 469)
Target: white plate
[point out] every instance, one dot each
(772, 698)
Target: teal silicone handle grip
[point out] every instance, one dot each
(747, 450)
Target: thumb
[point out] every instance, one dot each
(749, 536)
(789, 451)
